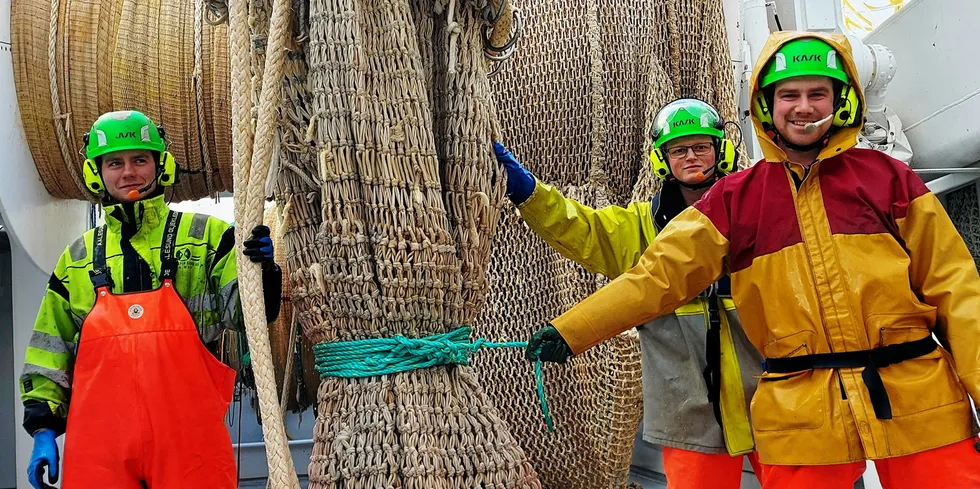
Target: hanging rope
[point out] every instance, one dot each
(198, 77)
(252, 154)
(385, 356)
(61, 120)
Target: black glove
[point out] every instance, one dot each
(547, 345)
(272, 287)
(258, 248)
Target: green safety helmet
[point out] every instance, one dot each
(121, 131)
(686, 117)
(807, 56)
(689, 117)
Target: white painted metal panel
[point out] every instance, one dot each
(936, 91)
(42, 224)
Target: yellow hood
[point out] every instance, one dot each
(844, 138)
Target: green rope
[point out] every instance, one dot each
(383, 356)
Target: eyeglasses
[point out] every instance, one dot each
(700, 149)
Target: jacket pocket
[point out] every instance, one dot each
(791, 401)
(918, 384)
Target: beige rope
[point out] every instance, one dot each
(250, 169)
(60, 120)
(454, 29)
(199, 94)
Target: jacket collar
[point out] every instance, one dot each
(666, 204)
(142, 214)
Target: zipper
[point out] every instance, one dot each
(806, 246)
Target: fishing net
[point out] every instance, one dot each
(586, 134)
(389, 231)
(964, 211)
(575, 104)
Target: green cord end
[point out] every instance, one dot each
(539, 380)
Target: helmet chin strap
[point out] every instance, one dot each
(818, 144)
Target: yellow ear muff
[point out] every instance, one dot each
(727, 156)
(168, 176)
(659, 164)
(760, 109)
(90, 172)
(849, 113)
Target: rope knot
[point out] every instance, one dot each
(385, 356)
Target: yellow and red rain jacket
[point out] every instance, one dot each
(851, 255)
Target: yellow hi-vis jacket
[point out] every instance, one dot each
(676, 409)
(851, 255)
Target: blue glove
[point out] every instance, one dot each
(520, 182)
(45, 454)
(258, 248)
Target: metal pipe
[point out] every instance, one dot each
(755, 22)
(946, 170)
(948, 183)
(261, 444)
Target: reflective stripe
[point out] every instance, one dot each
(78, 251)
(59, 377)
(201, 303)
(51, 343)
(696, 307)
(229, 301)
(198, 224)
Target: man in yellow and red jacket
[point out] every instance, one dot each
(843, 266)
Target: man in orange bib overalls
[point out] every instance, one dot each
(127, 326)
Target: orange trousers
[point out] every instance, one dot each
(955, 466)
(148, 401)
(693, 470)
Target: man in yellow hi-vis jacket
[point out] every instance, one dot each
(843, 266)
(686, 404)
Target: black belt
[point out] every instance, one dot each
(712, 354)
(871, 360)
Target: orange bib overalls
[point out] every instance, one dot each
(148, 399)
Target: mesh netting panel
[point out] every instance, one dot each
(397, 239)
(587, 136)
(964, 210)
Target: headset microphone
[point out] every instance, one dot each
(813, 126)
(701, 175)
(135, 194)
